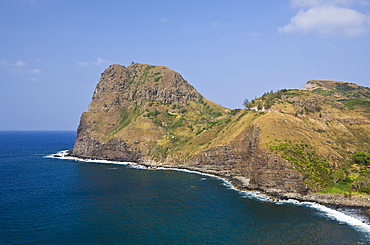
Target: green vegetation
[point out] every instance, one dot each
(149, 67)
(171, 125)
(157, 152)
(268, 99)
(126, 117)
(362, 183)
(343, 188)
(361, 158)
(144, 76)
(351, 104)
(323, 92)
(156, 79)
(357, 176)
(152, 113)
(315, 168)
(342, 90)
(234, 112)
(349, 178)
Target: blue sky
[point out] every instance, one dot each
(53, 51)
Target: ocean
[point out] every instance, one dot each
(45, 200)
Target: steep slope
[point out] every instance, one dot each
(337, 89)
(151, 115)
(149, 109)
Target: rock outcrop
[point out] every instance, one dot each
(151, 115)
(127, 87)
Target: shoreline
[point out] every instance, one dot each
(357, 207)
(358, 201)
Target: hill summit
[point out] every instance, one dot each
(289, 141)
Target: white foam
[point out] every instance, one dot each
(61, 155)
(330, 213)
(340, 216)
(256, 195)
(325, 211)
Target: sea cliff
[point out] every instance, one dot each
(151, 115)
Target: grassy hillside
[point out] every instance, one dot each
(320, 129)
(320, 132)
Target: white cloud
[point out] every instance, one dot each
(163, 20)
(317, 3)
(35, 80)
(99, 61)
(18, 67)
(82, 63)
(328, 18)
(19, 63)
(34, 71)
(4, 63)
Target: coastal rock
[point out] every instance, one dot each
(247, 161)
(151, 115)
(331, 199)
(127, 87)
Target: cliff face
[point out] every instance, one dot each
(116, 99)
(250, 164)
(127, 87)
(151, 115)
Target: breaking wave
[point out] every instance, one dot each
(355, 220)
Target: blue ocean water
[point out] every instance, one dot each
(52, 201)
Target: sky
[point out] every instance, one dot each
(52, 52)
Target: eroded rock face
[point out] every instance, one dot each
(115, 149)
(255, 167)
(88, 146)
(243, 160)
(127, 87)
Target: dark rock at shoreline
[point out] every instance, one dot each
(151, 115)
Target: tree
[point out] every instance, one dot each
(247, 104)
(360, 157)
(259, 106)
(268, 105)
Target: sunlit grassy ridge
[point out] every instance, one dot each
(333, 125)
(167, 120)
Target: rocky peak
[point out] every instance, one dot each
(338, 89)
(151, 115)
(127, 87)
(309, 85)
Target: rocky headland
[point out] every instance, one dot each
(288, 144)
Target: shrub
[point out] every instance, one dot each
(156, 79)
(360, 157)
(315, 167)
(182, 111)
(234, 112)
(362, 183)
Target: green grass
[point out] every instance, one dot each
(126, 117)
(316, 168)
(352, 103)
(156, 79)
(323, 92)
(343, 188)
